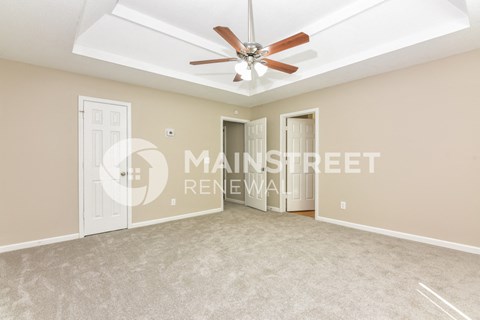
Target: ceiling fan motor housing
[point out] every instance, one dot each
(252, 48)
(252, 53)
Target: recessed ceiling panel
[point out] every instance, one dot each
(274, 20)
(372, 33)
(163, 36)
(119, 41)
(150, 42)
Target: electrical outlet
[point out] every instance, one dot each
(173, 202)
(343, 205)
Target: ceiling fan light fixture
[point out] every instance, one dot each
(247, 75)
(241, 68)
(244, 70)
(260, 68)
(252, 56)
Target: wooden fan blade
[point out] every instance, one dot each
(237, 78)
(212, 61)
(280, 66)
(231, 38)
(293, 41)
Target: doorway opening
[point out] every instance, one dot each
(246, 182)
(298, 140)
(232, 141)
(233, 149)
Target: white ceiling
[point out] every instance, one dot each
(150, 42)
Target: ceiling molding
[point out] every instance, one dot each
(137, 64)
(341, 15)
(460, 5)
(372, 53)
(144, 20)
(91, 13)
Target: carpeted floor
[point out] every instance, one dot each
(239, 264)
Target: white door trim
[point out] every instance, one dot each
(81, 102)
(229, 119)
(283, 141)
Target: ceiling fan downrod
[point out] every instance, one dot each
(252, 48)
(251, 31)
(252, 56)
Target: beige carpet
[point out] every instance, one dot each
(240, 264)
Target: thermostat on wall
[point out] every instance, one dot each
(169, 133)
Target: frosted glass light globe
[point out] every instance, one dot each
(241, 67)
(247, 75)
(260, 68)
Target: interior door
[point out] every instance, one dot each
(300, 182)
(104, 125)
(256, 175)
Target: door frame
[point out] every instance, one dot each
(229, 119)
(81, 183)
(224, 149)
(283, 147)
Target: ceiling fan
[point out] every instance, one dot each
(251, 55)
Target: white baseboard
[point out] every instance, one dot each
(402, 235)
(174, 218)
(234, 201)
(68, 237)
(36, 243)
(274, 209)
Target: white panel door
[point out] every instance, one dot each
(300, 179)
(104, 125)
(256, 175)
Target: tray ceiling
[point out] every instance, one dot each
(151, 42)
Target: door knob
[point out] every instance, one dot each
(122, 174)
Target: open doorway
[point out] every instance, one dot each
(299, 140)
(233, 140)
(246, 184)
(233, 149)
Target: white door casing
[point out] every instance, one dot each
(104, 124)
(300, 179)
(224, 155)
(256, 175)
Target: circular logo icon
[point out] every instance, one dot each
(115, 174)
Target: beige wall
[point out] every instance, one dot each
(235, 144)
(425, 121)
(38, 127)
